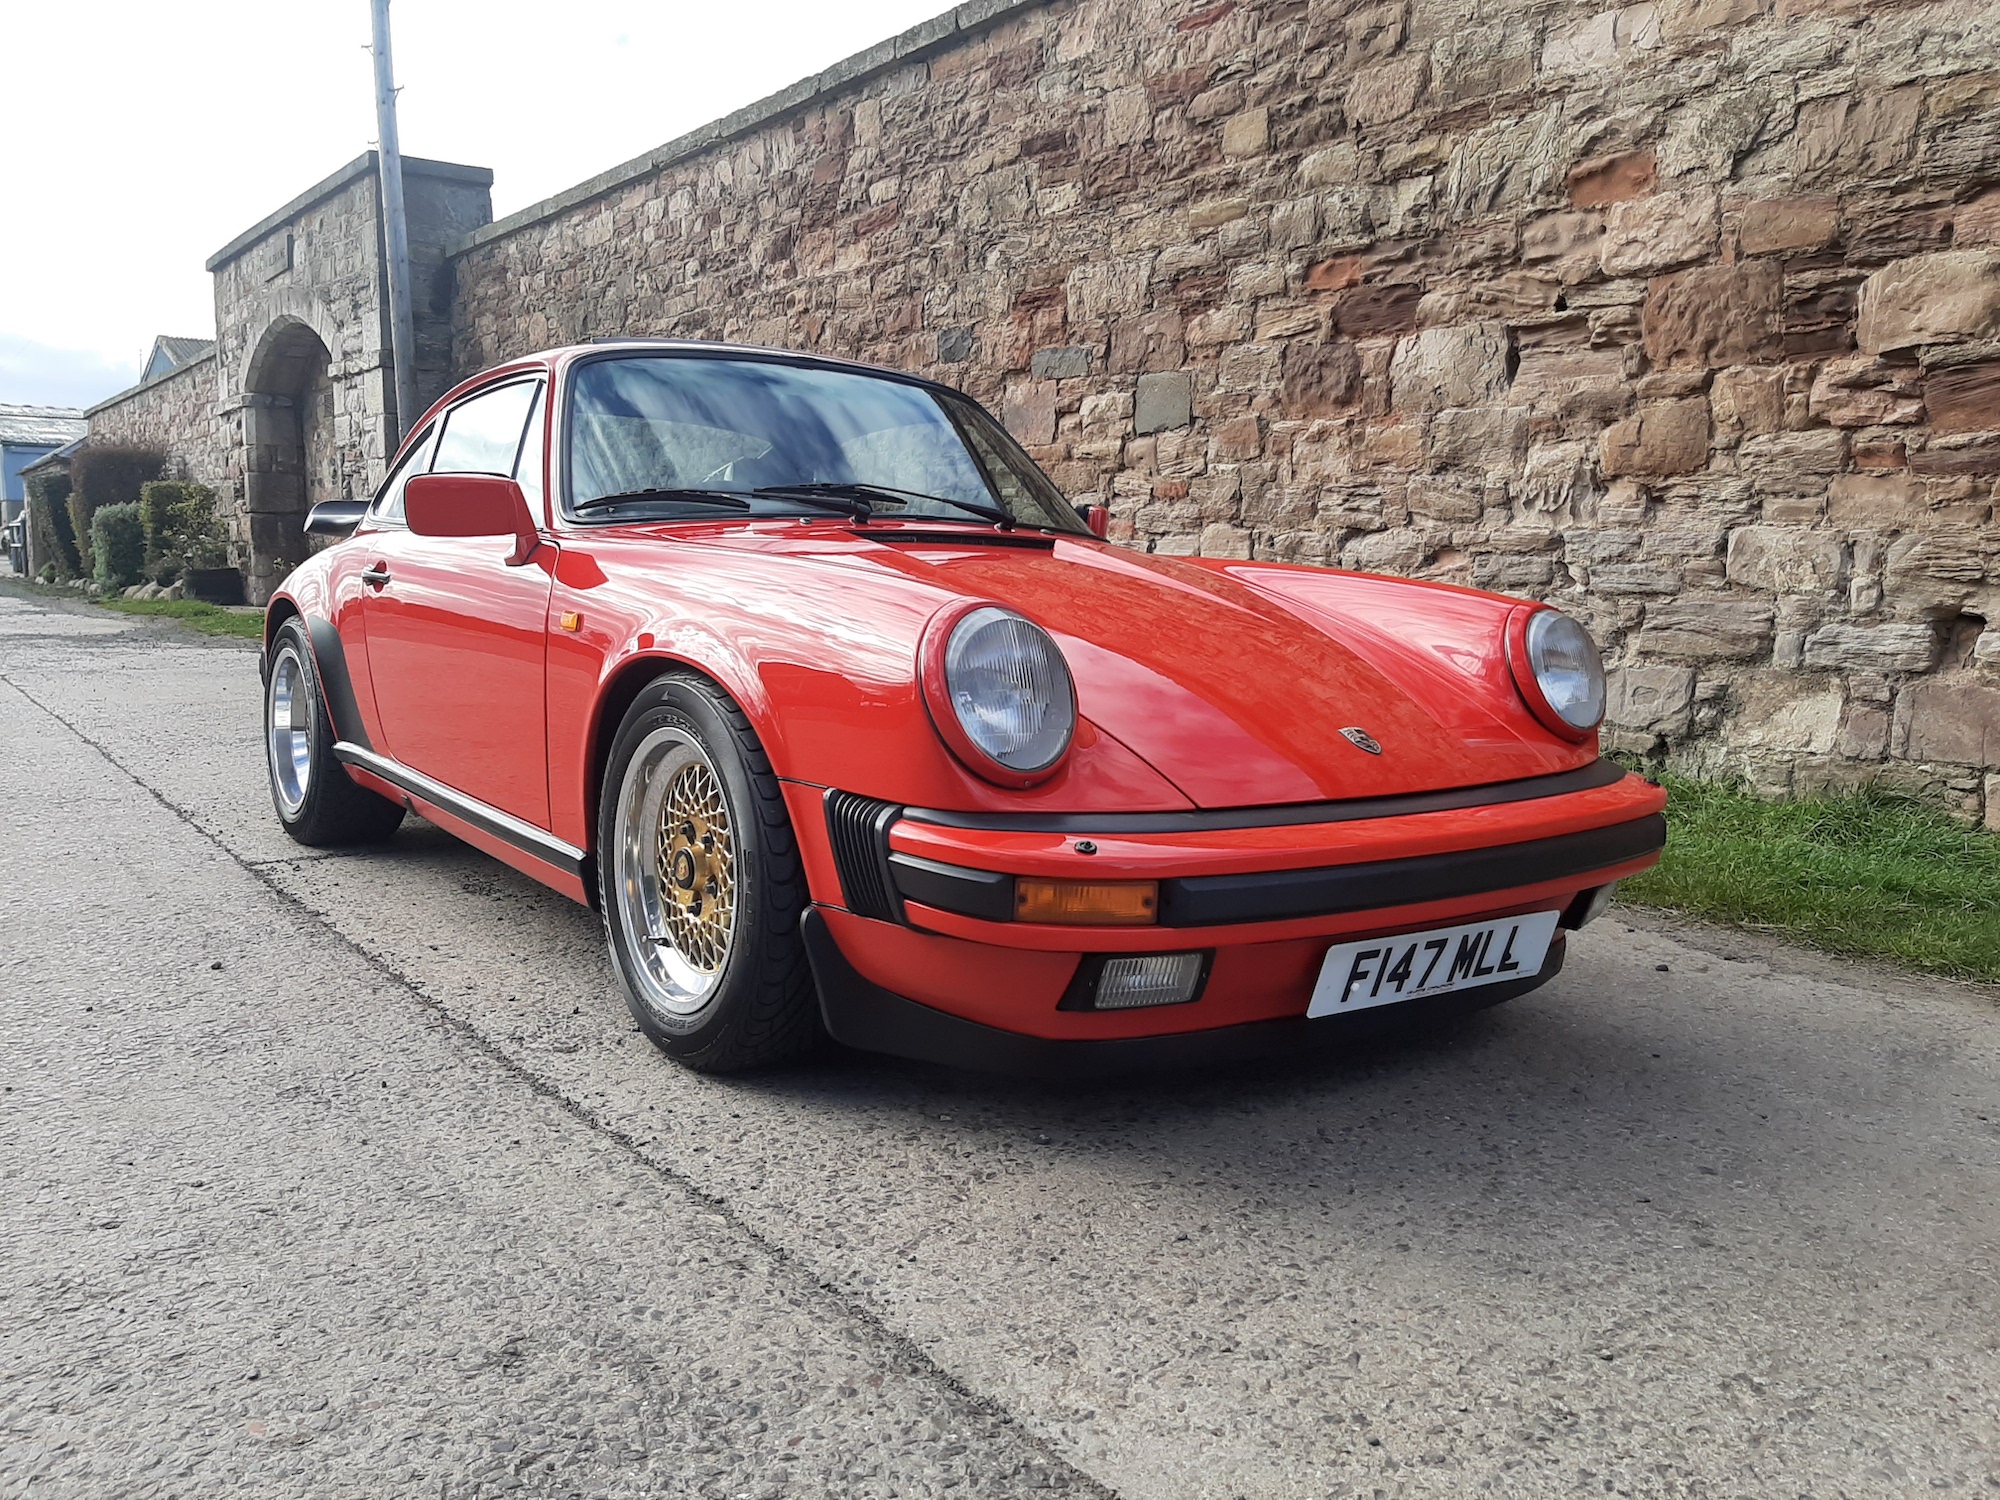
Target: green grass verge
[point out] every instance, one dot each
(1865, 873)
(209, 619)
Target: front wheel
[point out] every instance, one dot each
(318, 803)
(700, 884)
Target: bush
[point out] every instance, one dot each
(118, 545)
(54, 543)
(106, 474)
(182, 531)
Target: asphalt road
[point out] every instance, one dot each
(347, 1175)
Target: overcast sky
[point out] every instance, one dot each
(139, 138)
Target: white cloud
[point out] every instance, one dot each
(38, 375)
(142, 137)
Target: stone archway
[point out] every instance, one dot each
(291, 456)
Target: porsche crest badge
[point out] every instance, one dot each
(1361, 739)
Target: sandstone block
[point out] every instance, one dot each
(1784, 560)
(1689, 20)
(1247, 134)
(1668, 437)
(1949, 719)
(1030, 412)
(1559, 478)
(1491, 439)
(1872, 648)
(1707, 630)
(1162, 401)
(1376, 309)
(1859, 136)
(1220, 539)
(1399, 550)
(1860, 391)
(1606, 40)
(1875, 502)
(1947, 297)
(1450, 367)
(1660, 233)
(1864, 732)
(1641, 578)
(1748, 402)
(1793, 463)
(1319, 380)
(1716, 315)
(1388, 90)
(1779, 224)
(1446, 497)
(1212, 212)
(1965, 399)
(1606, 180)
(1655, 700)
(1993, 804)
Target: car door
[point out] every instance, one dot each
(457, 639)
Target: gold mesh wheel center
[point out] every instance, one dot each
(696, 866)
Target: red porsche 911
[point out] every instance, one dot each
(849, 724)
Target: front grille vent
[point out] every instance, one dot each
(859, 829)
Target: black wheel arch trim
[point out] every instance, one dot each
(330, 657)
(861, 1014)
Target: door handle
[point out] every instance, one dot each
(376, 576)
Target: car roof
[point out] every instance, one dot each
(709, 349)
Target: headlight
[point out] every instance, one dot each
(1564, 677)
(1009, 708)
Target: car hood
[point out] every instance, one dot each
(1235, 681)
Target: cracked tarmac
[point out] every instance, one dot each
(347, 1174)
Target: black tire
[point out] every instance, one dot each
(757, 1006)
(332, 811)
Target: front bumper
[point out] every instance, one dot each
(861, 1014)
(919, 905)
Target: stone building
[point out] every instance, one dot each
(1685, 316)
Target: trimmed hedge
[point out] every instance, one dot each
(118, 546)
(182, 531)
(106, 474)
(54, 543)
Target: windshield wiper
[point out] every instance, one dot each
(727, 499)
(859, 490)
(843, 498)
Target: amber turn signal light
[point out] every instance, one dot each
(1088, 903)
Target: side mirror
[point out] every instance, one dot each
(335, 517)
(1097, 518)
(472, 505)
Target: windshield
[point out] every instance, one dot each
(753, 428)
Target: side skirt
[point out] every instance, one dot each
(531, 850)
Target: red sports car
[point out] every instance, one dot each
(848, 723)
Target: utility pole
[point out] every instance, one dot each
(396, 227)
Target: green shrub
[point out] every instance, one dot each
(54, 542)
(182, 531)
(106, 474)
(118, 545)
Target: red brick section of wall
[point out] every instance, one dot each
(1684, 316)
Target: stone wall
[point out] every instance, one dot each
(181, 413)
(1685, 316)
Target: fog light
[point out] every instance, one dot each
(1087, 903)
(1148, 979)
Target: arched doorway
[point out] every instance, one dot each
(291, 458)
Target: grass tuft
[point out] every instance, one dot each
(1866, 873)
(209, 619)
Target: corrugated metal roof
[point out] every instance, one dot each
(40, 424)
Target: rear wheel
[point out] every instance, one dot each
(317, 801)
(700, 884)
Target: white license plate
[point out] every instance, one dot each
(1386, 970)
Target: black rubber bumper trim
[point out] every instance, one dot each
(971, 893)
(1587, 778)
(491, 821)
(863, 1015)
(1277, 895)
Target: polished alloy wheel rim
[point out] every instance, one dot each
(677, 873)
(290, 715)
